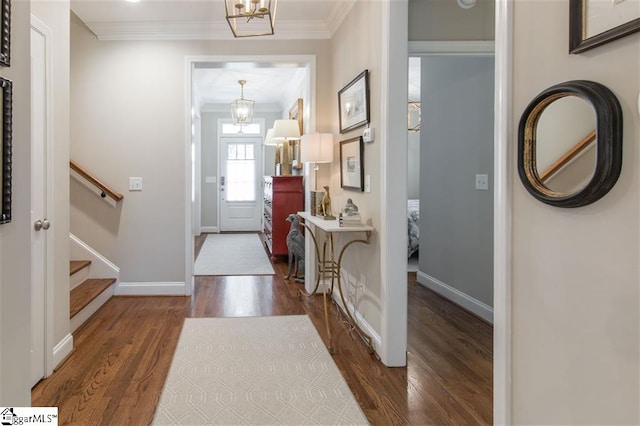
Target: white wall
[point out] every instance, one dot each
(128, 108)
(15, 237)
(356, 47)
(576, 313)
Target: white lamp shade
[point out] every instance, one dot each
(317, 148)
(268, 139)
(286, 129)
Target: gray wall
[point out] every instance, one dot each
(444, 20)
(456, 220)
(209, 160)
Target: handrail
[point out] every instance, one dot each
(572, 153)
(106, 191)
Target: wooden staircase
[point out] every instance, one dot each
(87, 294)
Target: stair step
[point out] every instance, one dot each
(78, 265)
(83, 294)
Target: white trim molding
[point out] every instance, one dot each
(93, 306)
(458, 297)
(502, 213)
(209, 230)
(151, 289)
(62, 350)
(362, 323)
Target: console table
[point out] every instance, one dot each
(329, 265)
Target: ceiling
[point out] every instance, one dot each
(267, 83)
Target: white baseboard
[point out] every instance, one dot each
(62, 350)
(151, 289)
(209, 230)
(456, 296)
(362, 323)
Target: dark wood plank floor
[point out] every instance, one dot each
(122, 355)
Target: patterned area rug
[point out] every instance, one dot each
(233, 254)
(254, 371)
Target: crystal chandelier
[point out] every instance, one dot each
(251, 18)
(242, 109)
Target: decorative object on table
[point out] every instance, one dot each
(350, 215)
(242, 109)
(353, 103)
(5, 33)
(581, 106)
(315, 202)
(295, 245)
(296, 113)
(595, 22)
(325, 205)
(352, 164)
(251, 18)
(6, 150)
(286, 131)
(350, 209)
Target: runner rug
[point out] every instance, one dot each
(232, 254)
(254, 371)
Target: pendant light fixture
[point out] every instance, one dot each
(251, 18)
(242, 109)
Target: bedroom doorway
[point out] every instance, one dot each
(413, 166)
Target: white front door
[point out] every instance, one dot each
(240, 183)
(39, 220)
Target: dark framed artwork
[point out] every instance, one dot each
(5, 150)
(593, 23)
(5, 33)
(353, 103)
(352, 164)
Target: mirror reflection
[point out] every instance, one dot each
(565, 155)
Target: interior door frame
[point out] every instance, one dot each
(38, 26)
(219, 136)
(191, 104)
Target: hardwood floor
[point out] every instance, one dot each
(122, 356)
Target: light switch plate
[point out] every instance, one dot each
(482, 182)
(368, 135)
(367, 183)
(135, 184)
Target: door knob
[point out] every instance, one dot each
(41, 224)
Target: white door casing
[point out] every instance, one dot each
(240, 195)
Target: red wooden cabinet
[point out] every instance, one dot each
(283, 195)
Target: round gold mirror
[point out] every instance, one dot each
(570, 144)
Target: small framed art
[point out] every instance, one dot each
(353, 103)
(352, 164)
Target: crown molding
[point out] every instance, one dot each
(212, 30)
(338, 15)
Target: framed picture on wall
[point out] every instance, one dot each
(352, 164)
(353, 103)
(5, 149)
(595, 22)
(5, 33)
